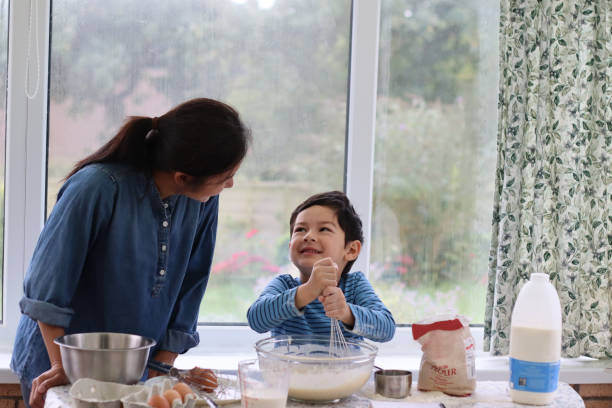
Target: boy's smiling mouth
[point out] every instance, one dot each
(310, 250)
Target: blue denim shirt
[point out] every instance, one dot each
(115, 257)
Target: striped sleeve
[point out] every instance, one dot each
(274, 306)
(372, 319)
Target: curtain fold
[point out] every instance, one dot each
(553, 197)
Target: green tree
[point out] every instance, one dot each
(429, 142)
(286, 68)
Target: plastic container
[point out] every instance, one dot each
(535, 342)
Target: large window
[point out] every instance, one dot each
(282, 64)
(434, 156)
(306, 76)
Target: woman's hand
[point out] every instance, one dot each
(50, 378)
(56, 374)
(336, 307)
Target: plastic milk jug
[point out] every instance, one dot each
(535, 342)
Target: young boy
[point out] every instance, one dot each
(326, 238)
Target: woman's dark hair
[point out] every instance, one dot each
(201, 137)
(347, 216)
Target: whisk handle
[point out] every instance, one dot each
(163, 368)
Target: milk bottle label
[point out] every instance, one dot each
(534, 377)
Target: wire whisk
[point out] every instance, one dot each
(201, 379)
(338, 347)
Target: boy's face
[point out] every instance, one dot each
(317, 235)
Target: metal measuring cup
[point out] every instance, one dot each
(393, 383)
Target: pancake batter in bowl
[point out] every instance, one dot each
(324, 383)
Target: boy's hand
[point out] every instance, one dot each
(324, 273)
(336, 307)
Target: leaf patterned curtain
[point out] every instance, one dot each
(553, 198)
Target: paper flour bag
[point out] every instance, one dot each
(448, 362)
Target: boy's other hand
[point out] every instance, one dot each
(335, 305)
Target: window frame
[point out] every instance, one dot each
(26, 153)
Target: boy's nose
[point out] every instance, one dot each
(309, 237)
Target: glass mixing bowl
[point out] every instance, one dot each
(318, 372)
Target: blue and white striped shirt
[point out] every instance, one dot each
(275, 310)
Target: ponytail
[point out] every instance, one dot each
(201, 137)
(128, 146)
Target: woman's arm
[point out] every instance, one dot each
(164, 356)
(50, 333)
(83, 209)
(55, 375)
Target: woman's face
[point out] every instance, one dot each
(211, 186)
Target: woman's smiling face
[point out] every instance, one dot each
(316, 235)
(212, 186)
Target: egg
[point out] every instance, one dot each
(171, 395)
(184, 390)
(157, 401)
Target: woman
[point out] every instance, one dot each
(129, 244)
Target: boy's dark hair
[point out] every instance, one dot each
(347, 216)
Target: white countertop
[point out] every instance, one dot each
(488, 394)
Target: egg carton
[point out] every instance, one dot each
(158, 387)
(88, 393)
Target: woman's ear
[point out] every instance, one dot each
(181, 179)
(351, 250)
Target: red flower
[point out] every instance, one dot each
(407, 260)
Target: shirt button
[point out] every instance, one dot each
(164, 248)
(165, 223)
(162, 272)
(165, 205)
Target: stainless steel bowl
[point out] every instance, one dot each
(315, 374)
(112, 357)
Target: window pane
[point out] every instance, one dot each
(4, 22)
(435, 156)
(282, 64)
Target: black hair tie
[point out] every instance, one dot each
(154, 128)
